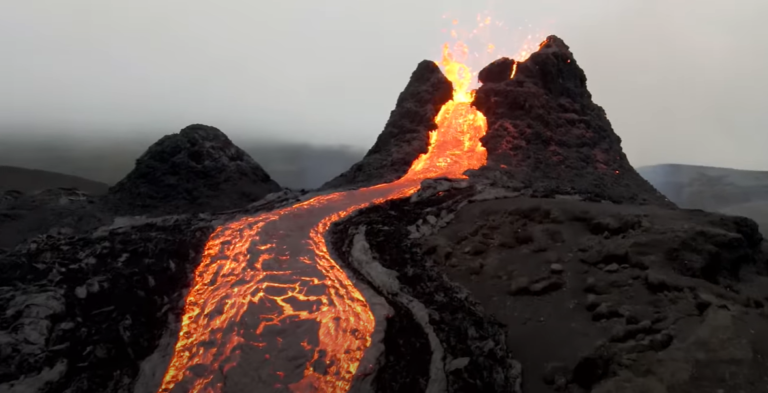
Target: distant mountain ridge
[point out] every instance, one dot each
(34, 180)
(725, 190)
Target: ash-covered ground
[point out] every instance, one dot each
(554, 268)
(615, 298)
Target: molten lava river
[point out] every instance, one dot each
(270, 310)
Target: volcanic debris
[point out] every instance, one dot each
(197, 170)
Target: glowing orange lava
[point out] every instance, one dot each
(267, 284)
(480, 33)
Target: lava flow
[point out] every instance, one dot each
(270, 310)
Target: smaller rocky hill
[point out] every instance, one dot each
(197, 170)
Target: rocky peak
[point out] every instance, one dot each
(498, 71)
(406, 134)
(199, 169)
(554, 69)
(547, 136)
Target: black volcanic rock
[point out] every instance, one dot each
(498, 71)
(545, 133)
(199, 169)
(406, 134)
(81, 313)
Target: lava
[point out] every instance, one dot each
(270, 310)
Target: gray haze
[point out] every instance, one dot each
(681, 81)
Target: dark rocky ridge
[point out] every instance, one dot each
(406, 134)
(81, 313)
(64, 211)
(197, 170)
(545, 134)
(475, 355)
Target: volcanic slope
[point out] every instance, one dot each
(591, 296)
(629, 296)
(196, 170)
(546, 135)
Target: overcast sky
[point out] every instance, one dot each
(681, 80)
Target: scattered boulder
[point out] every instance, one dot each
(519, 285)
(546, 285)
(614, 225)
(541, 286)
(9, 196)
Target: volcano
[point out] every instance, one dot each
(492, 240)
(267, 283)
(545, 135)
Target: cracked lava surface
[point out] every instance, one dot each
(270, 310)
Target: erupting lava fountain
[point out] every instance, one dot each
(270, 310)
